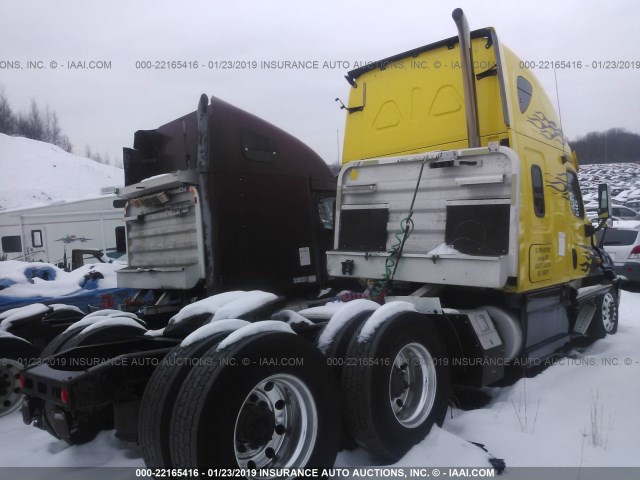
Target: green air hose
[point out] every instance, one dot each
(379, 289)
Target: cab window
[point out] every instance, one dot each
(537, 186)
(575, 197)
(524, 93)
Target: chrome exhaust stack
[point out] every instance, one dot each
(470, 101)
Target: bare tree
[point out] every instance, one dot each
(52, 133)
(65, 144)
(7, 118)
(35, 122)
(104, 158)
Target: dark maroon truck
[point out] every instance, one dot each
(215, 201)
(219, 200)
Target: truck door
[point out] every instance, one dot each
(578, 246)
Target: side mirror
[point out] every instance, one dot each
(604, 201)
(589, 230)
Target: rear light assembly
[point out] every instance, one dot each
(107, 301)
(635, 253)
(64, 396)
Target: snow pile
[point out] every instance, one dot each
(214, 328)
(86, 321)
(10, 316)
(341, 318)
(105, 312)
(253, 329)
(245, 304)
(61, 306)
(207, 305)
(154, 333)
(111, 321)
(324, 312)
(102, 315)
(443, 249)
(38, 173)
(14, 271)
(382, 315)
(64, 283)
(291, 317)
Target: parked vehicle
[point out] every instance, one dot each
(466, 220)
(622, 243)
(624, 213)
(633, 204)
(48, 233)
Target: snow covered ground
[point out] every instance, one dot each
(35, 173)
(583, 411)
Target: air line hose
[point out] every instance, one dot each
(381, 287)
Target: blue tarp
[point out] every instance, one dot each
(107, 298)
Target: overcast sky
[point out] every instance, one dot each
(103, 107)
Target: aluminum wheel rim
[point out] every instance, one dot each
(10, 390)
(286, 405)
(412, 385)
(608, 313)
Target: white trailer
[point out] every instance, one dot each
(49, 233)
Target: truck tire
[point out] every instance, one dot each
(15, 355)
(235, 411)
(605, 319)
(398, 385)
(160, 396)
(337, 348)
(336, 353)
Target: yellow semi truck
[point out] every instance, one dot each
(459, 141)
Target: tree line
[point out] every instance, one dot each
(616, 145)
(35, 123)
(42, 125)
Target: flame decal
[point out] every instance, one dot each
(558, 185)
(547, 128)
(587, 263)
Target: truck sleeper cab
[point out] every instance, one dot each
(219, 200)
(499, 224)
